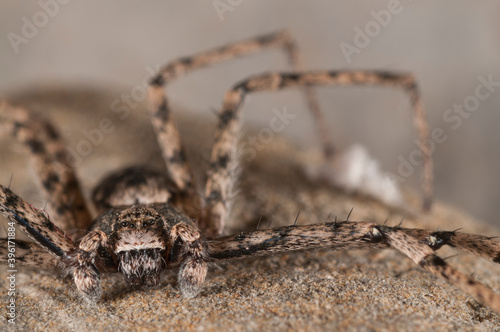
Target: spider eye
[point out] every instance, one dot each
(124, 224)
(147, 223)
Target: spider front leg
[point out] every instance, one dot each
(35, 223)
(27, 254)
(189, 249)
(348, 235)
(86, 276)
(79, 260)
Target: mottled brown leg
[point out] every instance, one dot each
(66, 204)
(27, 254)
(80, 261)
(223, 153)
(193, 256)
(426, 258)
(35, 223)
(166, 130)
(82, 264)
(414, 243)
(331, 236)
(479, 245)
(343, 235)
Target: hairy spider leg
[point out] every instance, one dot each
(167, 133)
(65, 201)
(224, 149)
(346, 235)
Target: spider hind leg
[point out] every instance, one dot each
(168, 136)
(219, 182)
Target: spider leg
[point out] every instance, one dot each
(347, 236)
(35, 223)
(426, 258)
(223, 152)
(333, 236)
(479, 245)
(82, 264)
(27, 254)
(191, 251)
(166, 130)
(47, 150)
(79, 260)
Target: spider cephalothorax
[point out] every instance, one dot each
(137, 239)
(150, 221)
(140, 241)
(143, 240)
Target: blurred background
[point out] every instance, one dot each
(452, 47)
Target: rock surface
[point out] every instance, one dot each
(358, 290)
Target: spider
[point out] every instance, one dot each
(149, 222)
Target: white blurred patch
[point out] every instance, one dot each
(355, 171)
